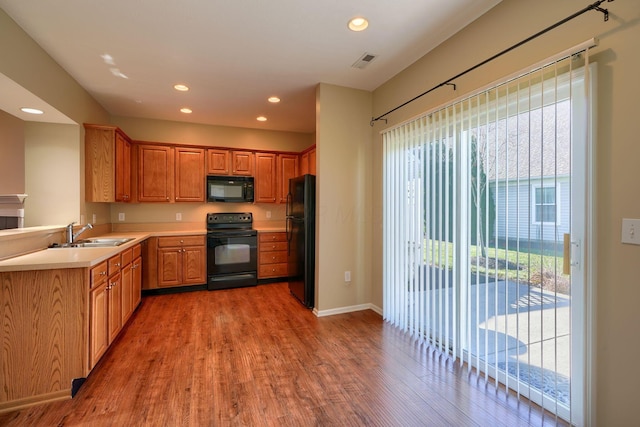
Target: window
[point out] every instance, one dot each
(473, 232)
(545, 208)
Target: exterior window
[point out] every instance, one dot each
(545, 204)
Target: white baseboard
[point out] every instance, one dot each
(350, 309)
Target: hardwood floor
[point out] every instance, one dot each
(256, 357)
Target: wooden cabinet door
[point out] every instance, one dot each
(98, 323)
(194, 265)
(169, 266)
(114, 293)
(312, 162)
(287, 169)
(190, 181)
(266, 178)
(155, 173)
(99, 164)
(136, 287)
(217, 162)
(122, 168)
(126, 286)
(304, 163)
(242, 163)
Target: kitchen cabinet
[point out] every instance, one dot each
(170, 174)
(272, 255)
(107, 164)
(230, 162)
(218, 161)
(98, 313)
(155, 173)
(181, 261)
(136, 271)
(308, 161)
(190, 177)
(266, 179)
(113, 298)
(287, 169)
(242, 163)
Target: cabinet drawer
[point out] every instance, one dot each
(172, 241)
(272, 237)
(276, 257)
(273, 270)
(127, 256)
(273, 246)
(99, 274)
(137, 251)
(114, 264)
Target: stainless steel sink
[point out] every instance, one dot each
(97, 242)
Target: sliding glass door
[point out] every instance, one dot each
(485, 204)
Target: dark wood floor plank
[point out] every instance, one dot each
(255, 356)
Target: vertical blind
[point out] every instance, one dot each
(477, 199)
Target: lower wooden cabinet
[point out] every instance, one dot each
(98, 322)
(272, 255)
(179, 261)
(115, 293)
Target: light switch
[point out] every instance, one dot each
(121, 216)
(178, 216)
(631, 231)
(347, 276)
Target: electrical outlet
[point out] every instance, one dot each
(93, 219)
(268, 214)
(121, 216)
(631, 231)
(347, 276)
(178, 216)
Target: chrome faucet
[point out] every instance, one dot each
(71, 236)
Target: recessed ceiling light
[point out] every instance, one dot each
(181, 87)
(31, 110)
(273, 99)
(186, 110)
(261, 119)
(358, 24)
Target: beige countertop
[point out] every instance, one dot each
(55, 258)
(269, 226)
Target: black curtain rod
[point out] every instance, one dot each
(594, 6)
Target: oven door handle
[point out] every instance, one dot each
(226, 236)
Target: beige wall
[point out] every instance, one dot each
(11, 154)
(24, 62)
(617, 154)
(220, 136)
(343, 150)
(52, 158)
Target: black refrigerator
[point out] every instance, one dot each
(301, 238)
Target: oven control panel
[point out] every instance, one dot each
(220, 219)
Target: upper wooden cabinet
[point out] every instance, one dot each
(287, 169)
(229, 162)
(155, 173)
(266, 179)
(190, 181)
(218, 161)
(107, 164)
(308, 161)
(168, 174)
(242, 163)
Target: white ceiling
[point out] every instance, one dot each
(234, 54)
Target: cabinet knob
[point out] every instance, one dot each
(181, 241)
(103, 273)
(117, 264)
(273, 258)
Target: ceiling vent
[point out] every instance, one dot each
(364, 60)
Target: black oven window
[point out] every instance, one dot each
(232, 254)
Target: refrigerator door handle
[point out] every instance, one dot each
(287, 206)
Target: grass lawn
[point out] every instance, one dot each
(536, 268)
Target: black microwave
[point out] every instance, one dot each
(235, 189)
